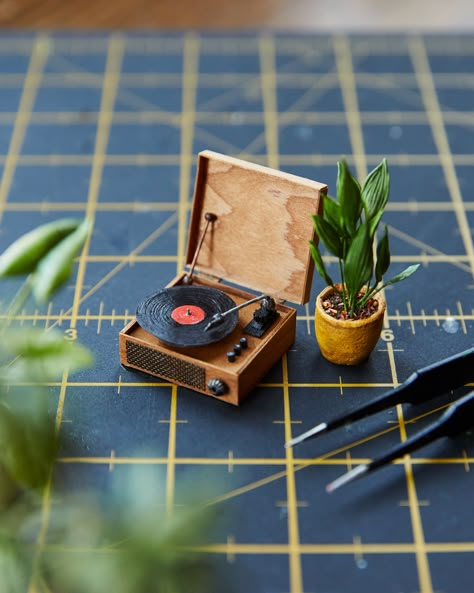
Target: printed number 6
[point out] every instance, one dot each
(387, 335)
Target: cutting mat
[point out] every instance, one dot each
(109, 126)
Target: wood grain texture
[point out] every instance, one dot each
(260, 238)
(140, 13)
(307, 15)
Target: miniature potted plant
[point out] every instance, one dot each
(349, 314)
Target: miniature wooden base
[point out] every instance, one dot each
(206, 368)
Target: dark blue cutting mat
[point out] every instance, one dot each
(109, 126)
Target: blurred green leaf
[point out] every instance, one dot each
(23, 256)
(42, 356)
(8, 487)
(13, 566)
(55, 268)
(135, 545)
(28, 444)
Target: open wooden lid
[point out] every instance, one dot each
(260, 238)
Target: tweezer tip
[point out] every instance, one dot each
(346, 478)
(309, 433)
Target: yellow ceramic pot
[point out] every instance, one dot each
(343, 341)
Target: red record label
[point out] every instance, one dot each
(188, 314)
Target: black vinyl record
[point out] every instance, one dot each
(178, 315)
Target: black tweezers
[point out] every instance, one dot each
(421, 386)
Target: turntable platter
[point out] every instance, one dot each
(178, 315)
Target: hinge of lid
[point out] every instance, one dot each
(207, 276)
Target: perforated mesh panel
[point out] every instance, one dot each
(165, 365)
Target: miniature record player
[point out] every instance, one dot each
(250, 226)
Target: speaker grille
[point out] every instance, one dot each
(165, 365)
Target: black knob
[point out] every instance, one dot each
(237, 349)
(217, 387)
(231, 356)
(244, 343)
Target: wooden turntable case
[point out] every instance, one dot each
(259, 241)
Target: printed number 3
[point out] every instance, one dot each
(70, 334)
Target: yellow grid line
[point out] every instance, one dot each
(350, 549)
(322, 118)
(171, 458)
(435, 116)
(111, 81)
(32, 81)
(412, 206)
(123, 384)
(264, 461)
(409, 317)
(232, 548)
(108, 96)
(46, 502)
(380, 80)
(189, 83)
(268, 81)
(348, 88)
(270, 109)
(39, 53)
(402, 159)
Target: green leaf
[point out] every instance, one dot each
(375, 191)
(374, 223)
(405, 274)
(43, 356)
(319, 264)
(383, 256)
(359, 262)
(55, 268)
(332, 214)
(23, 256)
(328, 235)
(348, 194)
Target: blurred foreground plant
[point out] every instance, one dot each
(128, 545)
(31, 356)
(134, 545)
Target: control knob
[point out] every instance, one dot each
(217, 387)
